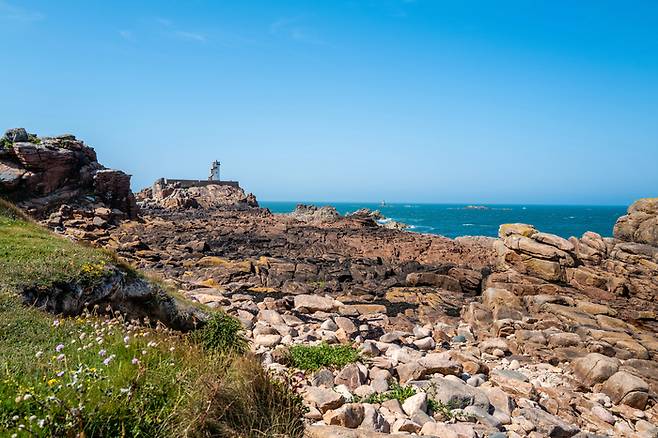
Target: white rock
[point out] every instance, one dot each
(405, 425)
(603, 414)
(267, 340)
(313, 303)
(422, 332)
(425, 344)
(417, 402)
(329, 325)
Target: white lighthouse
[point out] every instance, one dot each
(214, 171)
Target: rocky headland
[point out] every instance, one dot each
(527, 334)
(41, 174)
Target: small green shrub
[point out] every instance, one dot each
(313, 357)
(32, 138)
(445, 410)
(397, 392)
(222, 333)
(5, 143)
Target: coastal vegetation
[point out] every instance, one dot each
(101, 374)
(31, 256)
(396, 392)
(314, 357)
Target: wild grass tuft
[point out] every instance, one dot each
(10, 211)
(222, 333)
(444, 409)
(244, 403)
(313, 357)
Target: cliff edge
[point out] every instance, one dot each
(40, 174)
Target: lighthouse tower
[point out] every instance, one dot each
(214, 171)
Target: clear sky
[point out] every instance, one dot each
(356, 100)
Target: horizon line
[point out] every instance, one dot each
(484, 204)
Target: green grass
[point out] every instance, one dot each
(109, 377)
(313, 357)
(31, 256)
(96, 376)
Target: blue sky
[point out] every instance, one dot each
(356, 100)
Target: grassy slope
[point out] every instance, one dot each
(109, 377)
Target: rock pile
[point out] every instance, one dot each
(538, 254)
(42, 174)
(464, 378)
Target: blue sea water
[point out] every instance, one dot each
(452, 220)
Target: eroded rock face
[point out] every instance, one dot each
(135, 298)
(538, 254)
(640, 225)
(41, 174)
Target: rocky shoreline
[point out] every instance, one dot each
(528, 334)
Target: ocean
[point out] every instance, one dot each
(452, 220)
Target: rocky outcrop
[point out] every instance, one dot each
(366, 213)
(119, 290)
(312, 213)
(328, 214)
(41, 174)
(528, 251)
(173, 196)
(640, 225)
(622, 271)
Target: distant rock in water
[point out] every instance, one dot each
(378, 218)
(393, 225)
(174, 196)
(366, 213)
(42, 173)
(312, 213)
(476, 207)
